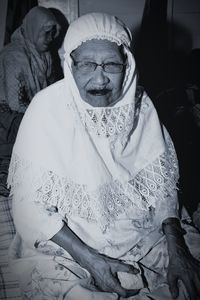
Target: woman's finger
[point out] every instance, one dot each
(111, 285)
(122, 267)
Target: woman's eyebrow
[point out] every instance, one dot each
(114, 57)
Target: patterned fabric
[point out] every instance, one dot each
(109, 121)
(9, 286)
(4, 165)
(103, 205)
(9, 123)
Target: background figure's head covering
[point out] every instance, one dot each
(39, 66)
(98, 150)
(34, 22)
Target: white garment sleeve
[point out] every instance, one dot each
(167, 205)
(33, 222)
(168, 208)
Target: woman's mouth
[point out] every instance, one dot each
(99, 92)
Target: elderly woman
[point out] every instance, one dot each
(25, 63)
(95, 203)
(25, 69)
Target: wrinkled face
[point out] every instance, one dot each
(45, 37)
(98, 87)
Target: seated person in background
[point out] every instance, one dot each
(25, 69)
(193, 84)
(179, 109)
(93, 178)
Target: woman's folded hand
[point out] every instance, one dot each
(183, 266)
(104, 270)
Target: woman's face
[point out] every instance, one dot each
(45, 37)
(98, 87)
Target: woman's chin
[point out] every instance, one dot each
(98, 100)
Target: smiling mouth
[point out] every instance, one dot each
(102, 92)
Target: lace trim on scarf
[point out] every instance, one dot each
(155, 182)
(110, 121)
(115, 121)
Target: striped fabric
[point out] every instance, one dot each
(9, 287)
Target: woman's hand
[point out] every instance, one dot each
(104, 272)
(183, 266)
(103, 269)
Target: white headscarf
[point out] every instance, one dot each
(123, 148)
(81, 158)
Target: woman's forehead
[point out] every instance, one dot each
(94, 47)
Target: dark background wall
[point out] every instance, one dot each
(130, 11)
(185, 13)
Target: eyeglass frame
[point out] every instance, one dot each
(102, 65)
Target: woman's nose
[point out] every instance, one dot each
(100, 77)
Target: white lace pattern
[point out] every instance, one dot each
(110, 121)
(108, 201)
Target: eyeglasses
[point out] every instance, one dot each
(88, 66)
